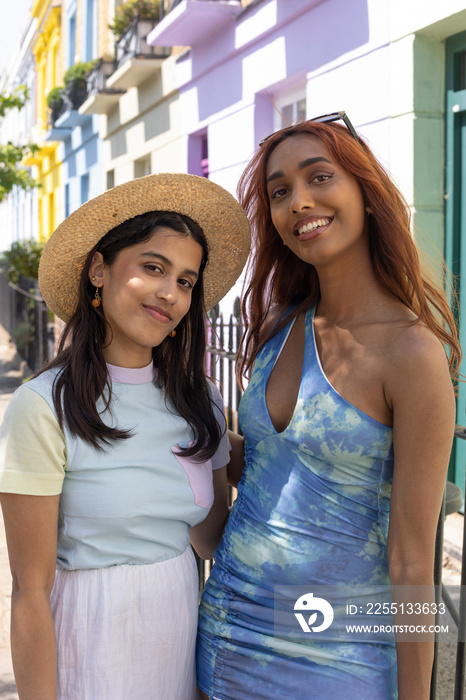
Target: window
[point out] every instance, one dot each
(290, 107)
(142, 167)
(204, 157)
(67, 200)
(198, 154)
(460, 71)
(72, 40)
(51, 212)
(110, 179)
(90, 30)
(84, 188)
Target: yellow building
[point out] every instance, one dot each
(46, 50)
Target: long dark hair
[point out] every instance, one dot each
(179, 361)
(277, 276)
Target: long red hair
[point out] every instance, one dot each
(278, 276)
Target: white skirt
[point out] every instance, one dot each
(127, 632)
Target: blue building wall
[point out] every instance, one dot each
(82, 161)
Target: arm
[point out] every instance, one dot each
(236, 464)
(420, 392)
(31, 531)
(206, 536)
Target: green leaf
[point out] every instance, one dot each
(127, 11)
(22, 260)
(10, 154)
(17, 99)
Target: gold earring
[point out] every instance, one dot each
(97, 300)
(172, 333)
(369, 211)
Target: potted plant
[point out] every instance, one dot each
(75, 83)
(55, 102)
(126, 13)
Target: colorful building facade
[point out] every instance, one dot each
(196, 91)
(398, 68)
(49, 68)
(85, 38)
(19, 211)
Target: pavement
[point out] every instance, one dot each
(12, 372)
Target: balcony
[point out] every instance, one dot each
(55, 131)
(73, 96)
(190, 22)
(101, 97)
(135, 59)
(170, 6)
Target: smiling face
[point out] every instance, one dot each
(145, 293)
(316, 206)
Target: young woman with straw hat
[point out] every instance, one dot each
(113, 456)
(348, 420)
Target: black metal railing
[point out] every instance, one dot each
(223, 337)
(55, 113)
(222, 348)
(166, 7)
(133, 43)
(72, 97)
(25, 316)
(74, 94)
(459, 614)
(96, 79)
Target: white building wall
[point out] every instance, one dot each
(146, 124)
(382, 62)
(19, 211)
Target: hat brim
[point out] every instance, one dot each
(217, 212)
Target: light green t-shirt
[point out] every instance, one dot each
(133, 503)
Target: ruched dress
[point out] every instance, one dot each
(312, 509)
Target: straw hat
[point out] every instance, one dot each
(217, 212)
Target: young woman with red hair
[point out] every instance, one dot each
(348, 421)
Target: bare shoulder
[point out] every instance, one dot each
(417, 362)
(414, 347)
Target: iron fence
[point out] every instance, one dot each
(96, 79)
(458, 613)
(25, 316)
(223, 337)
(167, 6)
(133, 43)
(223, 340)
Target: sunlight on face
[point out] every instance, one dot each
(145, 294)
(316, 206)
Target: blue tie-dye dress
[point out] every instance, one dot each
(312, 510)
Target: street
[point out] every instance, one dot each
(10, 377)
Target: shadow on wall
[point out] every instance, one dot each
(157, 121)
(92, 153)
(118, 144)
(312, 40)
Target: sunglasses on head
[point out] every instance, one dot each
(324, 118)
